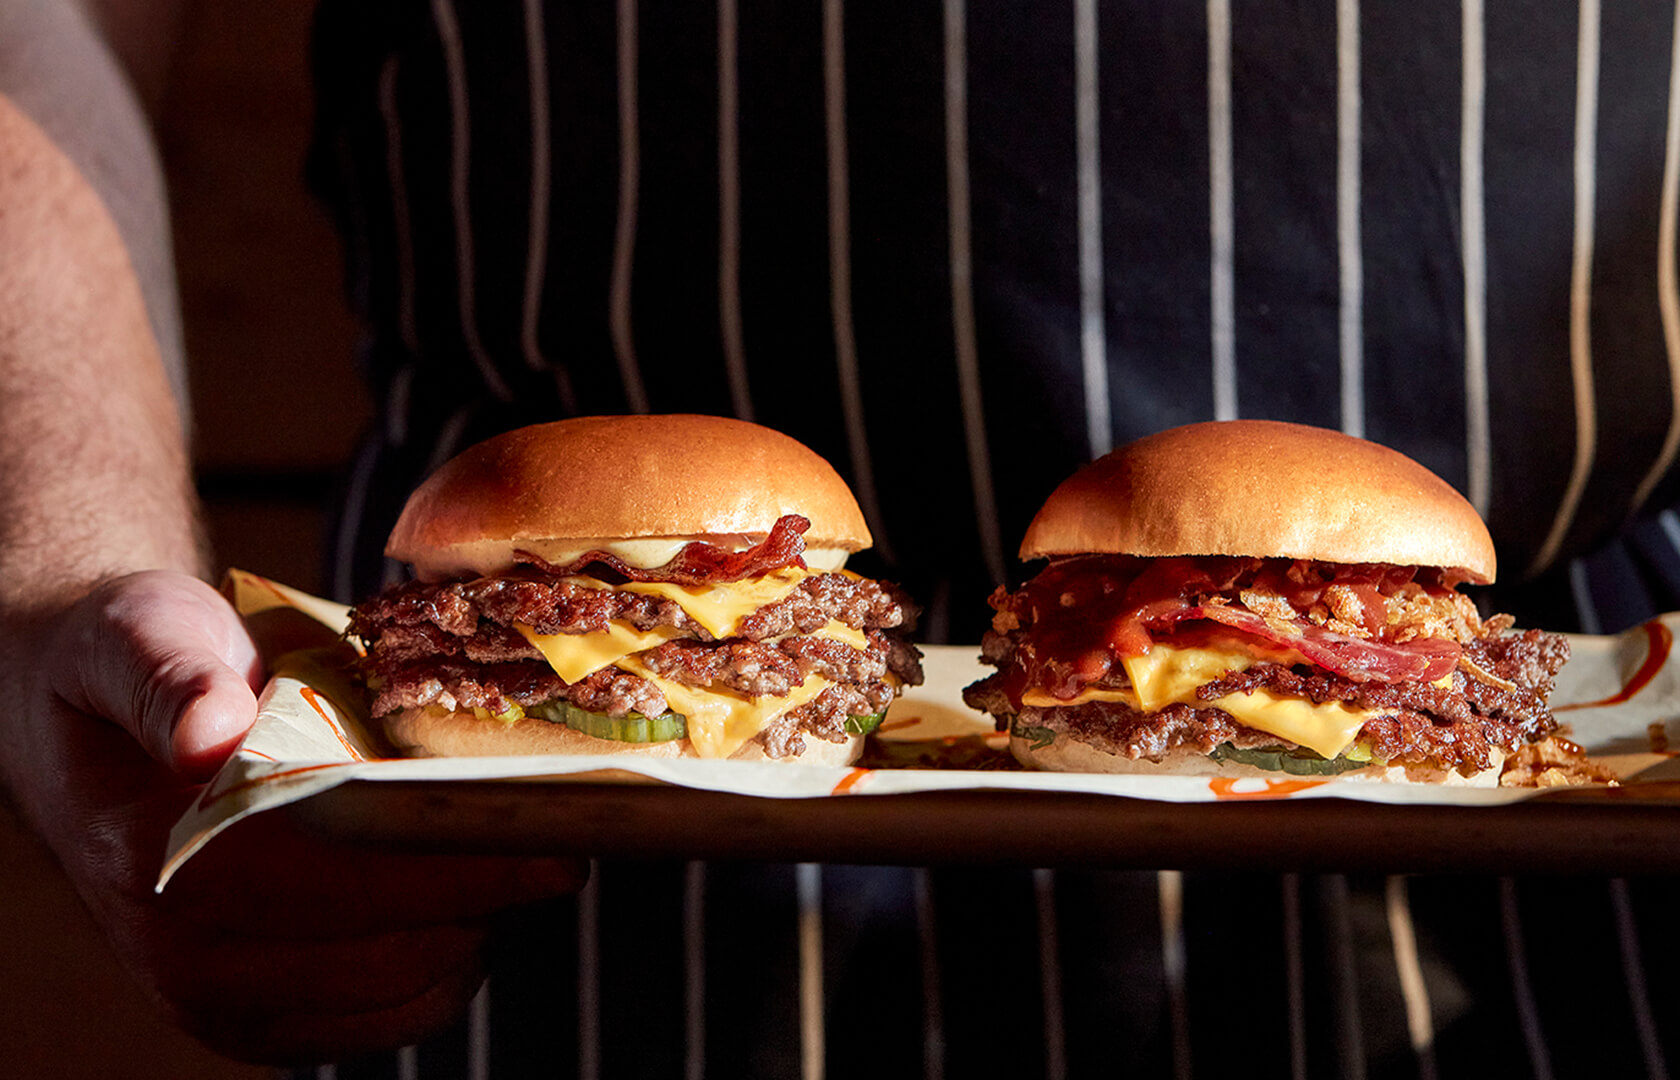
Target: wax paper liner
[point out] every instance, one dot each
(1618, 698)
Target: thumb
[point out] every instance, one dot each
(162, 655)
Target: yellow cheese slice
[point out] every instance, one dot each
(721, 721)
(719, 608)
(1167, 676)
(839, 631)
(1164, 675)
(577, 656)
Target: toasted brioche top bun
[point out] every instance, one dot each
(434, 732)
(1267, 489)
(573, 484)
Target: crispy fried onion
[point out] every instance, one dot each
(1409, 614)
(1482, 675)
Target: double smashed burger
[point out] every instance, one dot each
(662, 585)
(1250, 598)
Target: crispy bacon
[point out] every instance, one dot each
(699, 563)
(1421, 660)
(1077, 618)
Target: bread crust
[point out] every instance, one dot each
(436, 732)
(1067, 754)
(1263, 488)
(626, 477)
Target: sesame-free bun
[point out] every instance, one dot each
(1263, 488)
(606, 478)
(1068, 754)
(437, 732)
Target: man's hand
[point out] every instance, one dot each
(269, 945)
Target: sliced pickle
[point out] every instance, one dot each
(1037, 737)
(863, 725)
(1294, 762)
(631, 727)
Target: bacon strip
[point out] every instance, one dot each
(699, 563)
(1083, 614)
(1420, 660)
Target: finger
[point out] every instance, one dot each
(296, 885)
(164, 656)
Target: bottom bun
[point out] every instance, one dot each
(1074, 755)
(433, 732)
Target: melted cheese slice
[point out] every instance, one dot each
(717, 608)
(578, 656)
(1167, 676)
(721, 721)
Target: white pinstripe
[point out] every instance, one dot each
(1580, 285)
(1639, 998)
(962, 288)
(1050, 975)
(397, 397)
(350, 522)
(1414, 991)
(1295, 977)
(1351, 315)
(589, 976)
(460, 157)
(1344, 976)
(808, 878)
(408, 1063)
(1580, 590)
(448, 440)
(1473, 212)
(1522, 990)
(729, 211)
(1221, 212)
(536, 244)
(1669, 522)
(933, 1015)
(624, 233)
(1668, 292)
(1169, 889)
(402, 227)
(478, 1035)
(694, 970)
(840, 270)
(1093, 335)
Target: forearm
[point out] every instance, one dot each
(94, 479)
(59, 72)
(94, 476)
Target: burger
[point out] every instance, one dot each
(669, 586)
(1250, 598)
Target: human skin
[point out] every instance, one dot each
(128, 679)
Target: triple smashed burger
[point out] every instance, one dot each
(660, 585)
(1250, 598)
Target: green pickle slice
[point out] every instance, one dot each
(631, 727)
(863, 725)
(1296, 763)
(636, 728)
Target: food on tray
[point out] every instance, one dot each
(1250, 598)
(657, 585)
